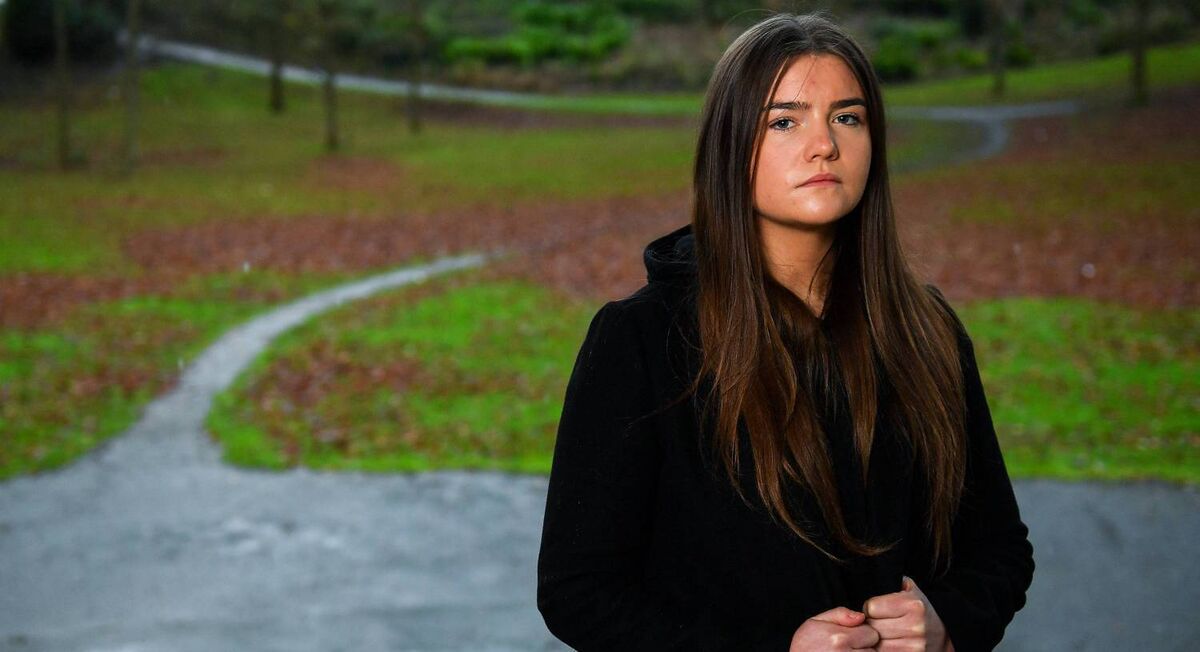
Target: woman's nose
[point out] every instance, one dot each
(819, 142)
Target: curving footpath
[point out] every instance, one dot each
(151, 544)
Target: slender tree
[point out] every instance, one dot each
(998, 44)
(129, 149)
(269, 26)
(62, 67)
(276, 36)
(1141, 20)
(419, 36)
(333, 32)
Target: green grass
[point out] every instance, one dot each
(1078, 389)
(486, 365)
(66, 388)
(212, 152)
(1102, 78)
(1105, 77)
(70, 388)
(1105, 194)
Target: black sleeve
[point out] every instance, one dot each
(600, 507)
(992, 561)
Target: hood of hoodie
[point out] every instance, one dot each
(671, 259)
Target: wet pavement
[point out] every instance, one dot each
(199, 556)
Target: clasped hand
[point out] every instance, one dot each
(888, 623)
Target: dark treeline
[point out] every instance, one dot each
(549, 45)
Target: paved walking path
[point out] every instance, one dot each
(992, 120)
(151, 544)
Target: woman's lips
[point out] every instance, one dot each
(823, 179)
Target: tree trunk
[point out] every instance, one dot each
(129, 153)
(1141, 19)
(413, 105)
(997, 37)
(332, 142)
(62, 69)
(416, 69)
(276, 103)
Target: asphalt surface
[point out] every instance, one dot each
(189, 555)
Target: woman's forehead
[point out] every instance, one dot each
(814, 74)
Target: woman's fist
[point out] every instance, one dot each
(905, 621)
(837, 630)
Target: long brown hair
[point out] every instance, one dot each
(769, 361)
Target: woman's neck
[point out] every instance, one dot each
(791, 255)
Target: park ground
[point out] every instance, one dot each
(1070, 257)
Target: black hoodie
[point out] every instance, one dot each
(645, 545)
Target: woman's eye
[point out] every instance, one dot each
(847, 119)
(783, 123)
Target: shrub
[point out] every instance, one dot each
(545, 32)
(970, 59)
(897, 58)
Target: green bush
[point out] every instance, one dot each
(970, 59)
(546, 32)
(897, 58)
(1018, 55)
(907, 46)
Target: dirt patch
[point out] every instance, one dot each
(333, 244)
(1143, 257)
(513, 118)
(1162, 130)
(1154, 268)
(30, 299)
(296, 383)
(355, 173)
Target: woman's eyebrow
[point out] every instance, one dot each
(804, 106)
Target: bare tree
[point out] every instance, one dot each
(333, 32)
(276, 52)
(269, 25)
(420, 38)
(1137, 47)
(62, 67)
(131, 82)
(997, 44)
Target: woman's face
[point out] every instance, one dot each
(812, 165)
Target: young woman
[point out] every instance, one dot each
(781, 442)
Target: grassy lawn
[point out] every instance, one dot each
(469, 374)
(67, 386)
(213, 153)
(1101, 78)
(467, 371)
(120, 329)
(457, 374)
(1084, 389)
